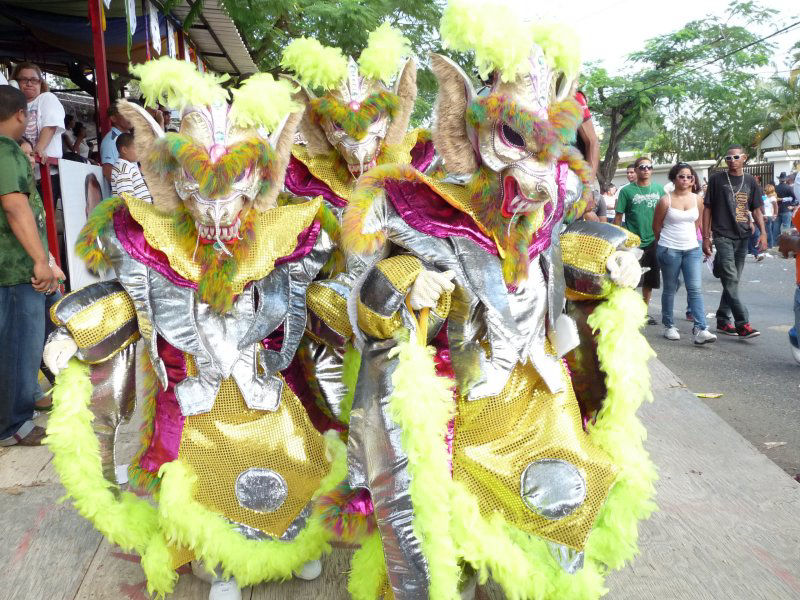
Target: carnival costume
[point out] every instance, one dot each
(356, 117)
(208, 305)
(494, 416)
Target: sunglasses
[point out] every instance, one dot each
(731, 157)
(28, 80)
(645, 167)
(688, 177)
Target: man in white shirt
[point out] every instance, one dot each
(108, 147)
(125, 174)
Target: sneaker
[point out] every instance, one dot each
(726, 329)
(796, 354)
(651, 320)
(34, 438)
(310, 571)
(704, 336)
(747, 332)
(759, 258)
(671, 333)
(224, 589)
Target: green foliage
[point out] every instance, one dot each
(694, 90)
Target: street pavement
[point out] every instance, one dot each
(758, 379)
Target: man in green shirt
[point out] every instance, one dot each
(637, 203)
(25, 277)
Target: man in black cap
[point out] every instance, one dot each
(786, 199)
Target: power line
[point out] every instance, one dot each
(726, 55)
(710, 62)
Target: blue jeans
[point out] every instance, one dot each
(673, 263)
(22, 326)
(793, 332)
(769, 225)
(785, 221)
(752, 244)
(728, 265)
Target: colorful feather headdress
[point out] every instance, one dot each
(261, 101)
(322, 67)
(503, 40)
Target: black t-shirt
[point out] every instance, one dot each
(730, 216)
(786, 197)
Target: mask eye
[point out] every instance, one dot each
(376, 117)
(511, 136)
(336, 125)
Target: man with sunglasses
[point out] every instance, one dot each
(731, 197)
(637, 203)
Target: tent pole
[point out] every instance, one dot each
(100, 67)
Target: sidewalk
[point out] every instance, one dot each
(728, 528)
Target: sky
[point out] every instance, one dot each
(611, 29)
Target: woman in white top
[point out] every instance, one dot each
(80, 146)
(45, 112)
(675, 225)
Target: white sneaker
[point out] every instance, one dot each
(795, 353)
(671, 333)
(311, 570)
(704, 336)
(224, 589)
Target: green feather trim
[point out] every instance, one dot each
(367, 569)
(350, 368)
(87, 247)
(356, 122)
(315, 65)
(214, 540)
(139, 478)
(177, 150)
(124, 518)
(262, 101)
(422, 405)
(178, 83)
(386, 47)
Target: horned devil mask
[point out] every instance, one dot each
(363, 105)
(226, 158)
(519, 127)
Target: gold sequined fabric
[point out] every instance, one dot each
(330, 307)
(276, 232)
(231, 439)
(100, 319)
(401, 270)
(587, 252)
(340, 182)
(496, 438)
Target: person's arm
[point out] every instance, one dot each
(700, 210)
(619, 207)
(23, 226)
(121, 181)
(591, 143)
(45, 136)
(758, 215)
(107, 156)
(658, 217)
(602, 209)
(707, 230)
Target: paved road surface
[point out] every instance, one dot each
(758, 379)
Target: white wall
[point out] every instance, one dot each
(660, 172)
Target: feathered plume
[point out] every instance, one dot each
(502, 38)
(262, 102)
(383, 56)
(177, 84)
(315, 65)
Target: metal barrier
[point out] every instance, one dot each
(50, 209)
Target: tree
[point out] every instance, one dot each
(269, 25)
(698, 75)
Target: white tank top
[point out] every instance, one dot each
(678, 231)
